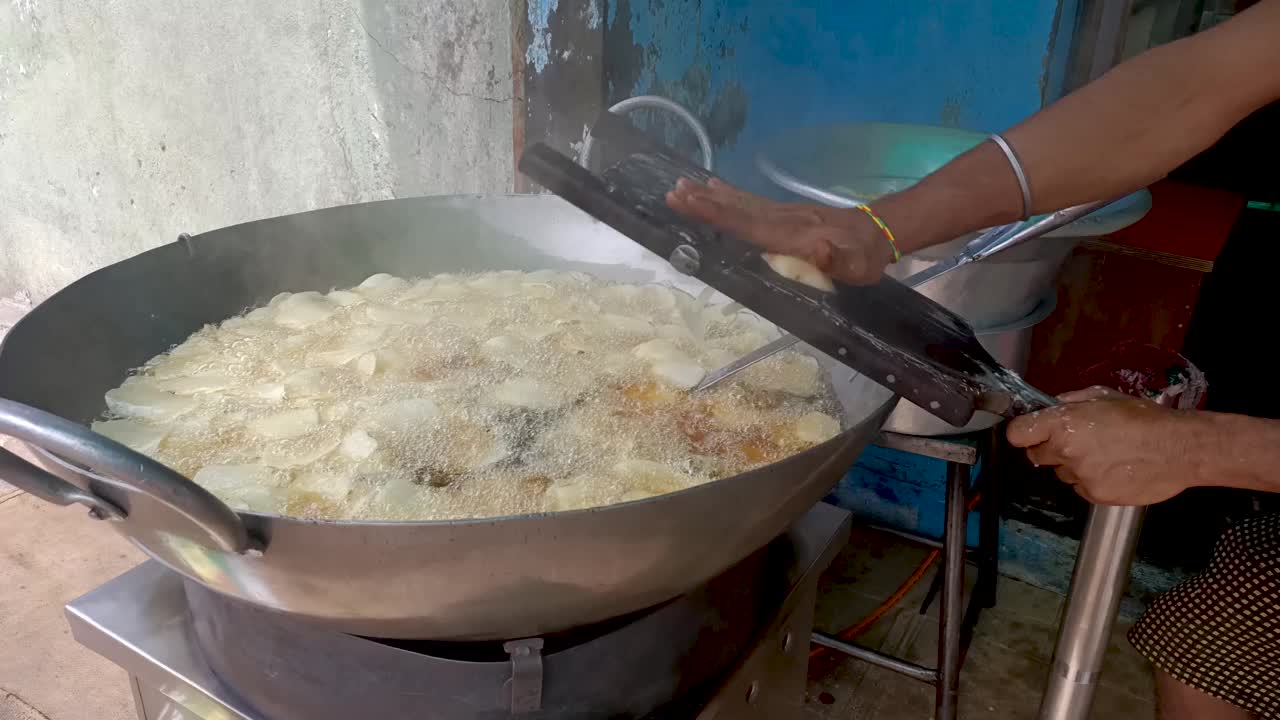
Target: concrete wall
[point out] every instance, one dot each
(125, 123)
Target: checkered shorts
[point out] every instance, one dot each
(1219, 631)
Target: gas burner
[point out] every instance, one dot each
(737, 647)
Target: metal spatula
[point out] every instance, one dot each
(886, 331)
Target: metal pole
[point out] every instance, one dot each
(1102, 568)
(951, 612)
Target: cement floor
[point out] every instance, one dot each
(48, 556)
(1007, 664)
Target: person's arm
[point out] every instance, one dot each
(1118, 450)
(1118, 134)
(1115, 135)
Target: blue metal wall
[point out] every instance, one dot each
(755, 68)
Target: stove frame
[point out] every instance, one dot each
(142, 622)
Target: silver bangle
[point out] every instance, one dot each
(1017, 170)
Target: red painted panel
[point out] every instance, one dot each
(1185, 220)
(1106, 299)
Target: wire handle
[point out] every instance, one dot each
(658, 103)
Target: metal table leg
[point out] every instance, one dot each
(951, 611)
(1102, 567)
(989, 519)
(955, 621)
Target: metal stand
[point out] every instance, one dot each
(1097, 585)
(951, 612)
(955, 621)
(1102, 567)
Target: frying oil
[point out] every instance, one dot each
(461, 396)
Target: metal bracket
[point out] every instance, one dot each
(184, 239)
(525, 684)
(686, 259)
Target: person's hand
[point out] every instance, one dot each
(1114, 449)
(842, 243)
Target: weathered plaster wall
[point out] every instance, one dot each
(125, 123)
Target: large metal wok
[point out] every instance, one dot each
(496, 578)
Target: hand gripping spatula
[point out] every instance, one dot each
(886, 331)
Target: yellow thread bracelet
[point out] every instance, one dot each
(893, 243)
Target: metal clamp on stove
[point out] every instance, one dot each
(525, 684)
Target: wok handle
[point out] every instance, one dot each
(216, 526)
(52, 489)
